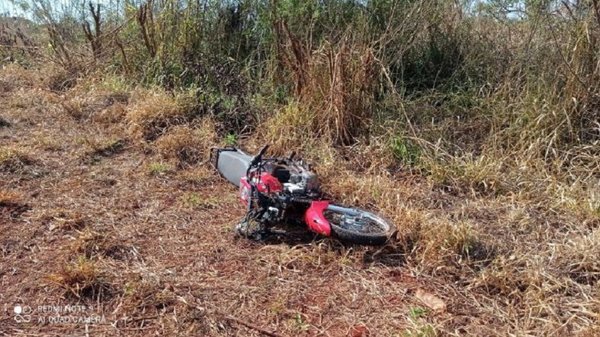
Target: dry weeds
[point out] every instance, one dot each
(187, 146)
(81, 279)
(151, 114)
(14, 160)
(143, 234)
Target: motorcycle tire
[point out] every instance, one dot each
(358, 226)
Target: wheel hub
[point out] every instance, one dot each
(352, 222)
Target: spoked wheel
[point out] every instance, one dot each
(358, 226)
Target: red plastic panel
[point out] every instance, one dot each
(315, 220)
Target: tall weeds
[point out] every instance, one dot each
(454, 88)
(473, 125)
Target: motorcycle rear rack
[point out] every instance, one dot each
(216, 151)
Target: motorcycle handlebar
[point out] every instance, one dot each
(258, 157)
(262, 151)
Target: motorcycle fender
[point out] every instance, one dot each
(315, 220)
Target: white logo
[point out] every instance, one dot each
(22, 313)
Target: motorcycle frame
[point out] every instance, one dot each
(268, 187)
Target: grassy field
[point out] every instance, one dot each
(476, 133)
(92, 216)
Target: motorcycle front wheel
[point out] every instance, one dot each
(358, 226)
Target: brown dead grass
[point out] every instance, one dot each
(99, 107)
(112, 114)
(14, 160)
(81, 279)
(463, 232)
(578, 258)
(59, 80)
(4, 123)
(14, 77)
(187, 146)
(153, 113)
(12, 204)
(146, 233)
(67, 220)
(334, 84)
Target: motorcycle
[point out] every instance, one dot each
(286, 190)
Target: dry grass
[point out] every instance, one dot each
(90, 243)
(152, 114)
(13, 77)
(492, 245)
(461, 230)
(103, 148)
(289, 125)
(101, 107)
(333, 85)
(200, 176)
(66, 220)
(81, 279)
(59, 80)
(112, 114)
(4, 123)
(12, 204)
(14, 160)
(158, 168)
(187, 146)
(578, 258)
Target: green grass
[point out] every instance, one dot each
(405, 150)
(422, 331)
(159, 169)
(417, 312)
(231, 139)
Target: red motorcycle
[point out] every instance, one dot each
(285, 190)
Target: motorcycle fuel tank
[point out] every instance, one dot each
(266, 184)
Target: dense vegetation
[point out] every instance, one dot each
(493, 102)
(473, 79)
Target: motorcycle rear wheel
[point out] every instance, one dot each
(358, 226)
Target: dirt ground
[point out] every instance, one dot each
(104, 233)
(93, 227)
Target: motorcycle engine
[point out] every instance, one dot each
(302, 182)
